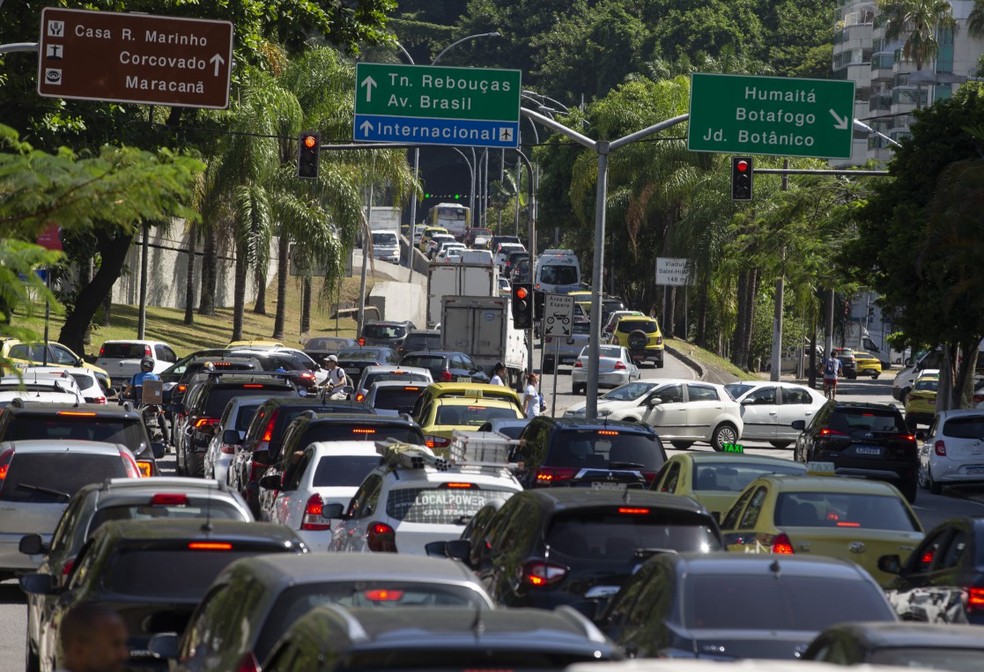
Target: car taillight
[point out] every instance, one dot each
(5, 463)
(227, 449)
(940, 448)
(659, 340)
(255, 470)
(202, 422)
(102, 350)
(146, 468)
(436, 442)
(209, 546)
(268, 432)
(619, 366)
(781, 544)
(445, 376)
(169, 499)
(147, 351)
(314, 519)
(578, 364)
(98, 400)
(132, 470)
(383, 595)
(539, 573)
(67, 567)
(826, 431)
(360, 397)
(975, 599)
(548, 475)
(248, 663)
(381, 538)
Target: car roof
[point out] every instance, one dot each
(154, 484)
(432, 353)
(99, 410)
(577, 498)
(491, 402)
(61, 446)
(962, 412)
(236, 378)
(318, 567)
(740, 458)
(744, 665)
(861, 405)
(343, 448)
(191, 528)
(135, 340)
(747, 564)
(386, 384)
(763, 383)
(361, 419)
(856, 486)
(382, 368)
(584, 423)
(905, 634)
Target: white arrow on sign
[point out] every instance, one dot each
(366, 127)
(217, 61)
(841, 124)
(369, 82)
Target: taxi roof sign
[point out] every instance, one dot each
(820, 469)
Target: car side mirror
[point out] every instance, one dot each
(798, 424)
(921, 435)
(39, 584)
(653, 401)
(436, 549)
(164, 645)
(272, 482)
(459, 549)
(231, 437)
(32, 544)
(112, 392)
(890, 564)
(158, 449)
(334, 510)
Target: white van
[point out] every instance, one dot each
(557, 272)
(386, 246)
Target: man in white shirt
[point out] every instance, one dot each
(336, 374)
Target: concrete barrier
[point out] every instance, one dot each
(400, 301)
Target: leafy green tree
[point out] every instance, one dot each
(919, 23)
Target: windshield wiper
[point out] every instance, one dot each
(47, 491)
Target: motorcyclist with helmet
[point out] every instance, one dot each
(134, 392)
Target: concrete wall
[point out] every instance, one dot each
(397, 291)
(167, 270)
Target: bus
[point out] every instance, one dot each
(452, 216)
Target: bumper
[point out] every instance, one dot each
(221, 468)
(953, 472)
(392, 257)
(894, 471)
(647, 355)
(318, 542)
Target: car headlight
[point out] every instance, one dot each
(604, 412)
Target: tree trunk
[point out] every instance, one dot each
(261, 285)
(305, 304)
(112, 250)
(669, 312)
(702, 311)
(210, 275)
(239, 293)
(752, 288)
(283, 248)
(962, 390)
(189, 316)
(739, 338)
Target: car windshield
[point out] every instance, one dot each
(731, 477)
(558, 275)
(935, 657)
(613, 534)
(123, 351)
(778, 602)
(844, 510)
(346, 471)
(474, 415)
(443, 504)
(965, 427)
(628, 392)
(127, 431)
(399, 399)
(605, 449)
(219, 509)
(846, 420)
(51, 478)
(384, 238)
(646, 326)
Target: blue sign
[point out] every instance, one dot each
(422, 131)
(40, 272)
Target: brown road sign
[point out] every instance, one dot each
(134, 58)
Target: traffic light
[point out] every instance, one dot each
(309, 148)
(522, 305)
(741, 178)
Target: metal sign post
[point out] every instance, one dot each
(558, 318)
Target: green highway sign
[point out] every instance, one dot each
(428, 104)
(780, 116)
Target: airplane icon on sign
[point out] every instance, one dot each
(505, 135)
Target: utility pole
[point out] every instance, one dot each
(776, 373)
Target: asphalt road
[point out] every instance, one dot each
(931, 509)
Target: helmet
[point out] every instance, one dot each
(147, 363)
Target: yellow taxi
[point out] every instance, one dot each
(845, 518)
(470, 390)
(582, 297)
(716, 479)
(920, 403)
(428, 234)
(641, 336)
(867, 364)
(445, 415)
(23, 355)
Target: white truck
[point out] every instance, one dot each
(482, 327)
(385, 218)
(458, 280)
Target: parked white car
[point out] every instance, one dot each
(952, 452)
(615, 367)
(328, 473)
(686, 411)
(625, 402)
(121, 359)
(768, 409)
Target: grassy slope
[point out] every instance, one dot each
(167, 324)
(707, 357)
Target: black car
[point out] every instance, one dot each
(420, 340)
(958, 648)
(576, 451)
(389, 334)
(863, 440)
(570, 546)
(203, 407)
(153, 573)
(442, 638)
(354, 360)
(447, 366)
(25, 420)
(737, 605)
(943, 579)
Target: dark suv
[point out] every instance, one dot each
(570, 546)
(391, 334)
(595, 453)
(203, 408)
(25, 420)
(862, 439)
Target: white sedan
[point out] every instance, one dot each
(625, 402)
(768, 409)
(686, 411)
(615, 368)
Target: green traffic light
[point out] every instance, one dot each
(457, 197)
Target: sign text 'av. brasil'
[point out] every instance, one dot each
(435, 105)
(134, 58)
(780, 116)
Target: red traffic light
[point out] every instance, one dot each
(310, 141)
(521, 293)
(741, 165)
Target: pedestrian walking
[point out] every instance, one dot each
(93, 639)
(498, 371)
(531, 398)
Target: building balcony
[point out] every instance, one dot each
(882, 67)
(880, 102)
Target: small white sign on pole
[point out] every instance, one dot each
(558, 314)
(673, 271)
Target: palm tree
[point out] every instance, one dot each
(919, 23)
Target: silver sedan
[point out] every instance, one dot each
(615, 368)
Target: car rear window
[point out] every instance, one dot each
(966, 427)
(422, 341)
(245, 416)
(844, 510)
(50, 478)
(217, 509)
(127, 431)
(178, 574)
(383, 331)
(731, 477)
(628, 326)
(558, 275)
(392, 375)
(867, 420)
(779, 602)
(927, 385)
(397, 398)
(344, 471)
(324, 431)
(123, 351)
(448, 504)
(620, 533)
(83, 381)
(473, 416)
(424, 361)
(604, 449)
(218, 397)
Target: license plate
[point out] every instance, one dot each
(867, 450)
(975, 470)
(607, 485)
